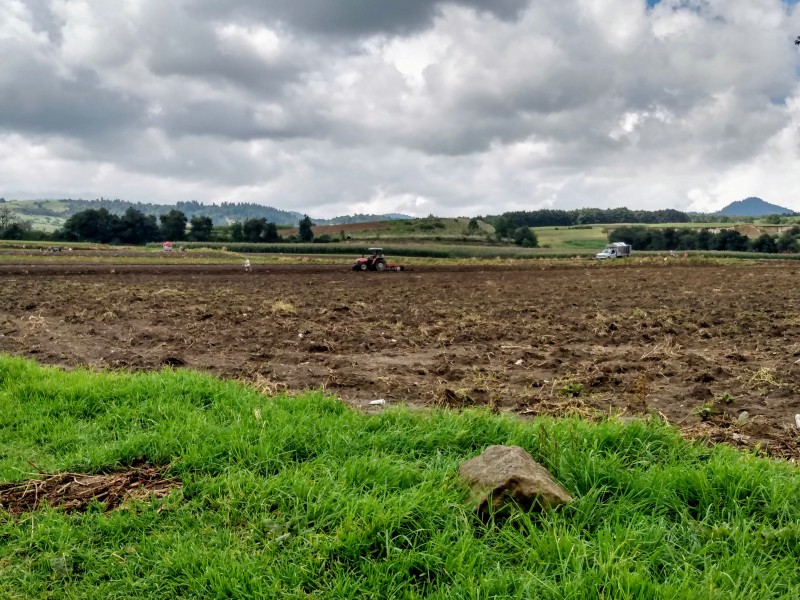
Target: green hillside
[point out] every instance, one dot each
(48, 215)
(754, 207)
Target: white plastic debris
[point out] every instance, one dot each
(378, 402)
(519, 362)
(797, 421)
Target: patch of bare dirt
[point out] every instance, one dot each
(75, 491)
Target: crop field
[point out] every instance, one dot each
(710, 348)
(592, 238)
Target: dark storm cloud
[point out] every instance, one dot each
(34, 99)
(180, 45)
(197, 58)
(231, 120)
(352, 17)
(74, 115)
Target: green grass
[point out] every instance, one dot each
(409, 253)
(594, 238)
(31, 206)
(43, 215)
(437, 226)
(301, 497)
(395, 250)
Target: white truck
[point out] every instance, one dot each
(614, 250)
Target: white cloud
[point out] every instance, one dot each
(437, 108)
(259, 41)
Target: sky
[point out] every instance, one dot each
(458, 108)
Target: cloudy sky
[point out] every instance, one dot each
(462, 107)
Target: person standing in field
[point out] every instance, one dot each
(247, 265)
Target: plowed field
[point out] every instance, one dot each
(714, 349)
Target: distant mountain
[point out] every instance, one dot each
(57, 211)
(753, 207)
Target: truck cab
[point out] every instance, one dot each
(615, 250)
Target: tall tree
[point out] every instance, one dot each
(18, 230)
(92, 225)
(137, 228)
(253, 230)
(201, 228)
(237, 232)
(524, 236)
(304, 229)
(11, 228)
(271, 234)
(7, 217)
(173, 225)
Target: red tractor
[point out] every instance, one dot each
(375, 262)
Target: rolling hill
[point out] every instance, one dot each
(51, 214)
(754, 207)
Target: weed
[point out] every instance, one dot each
(764, 379)
(568, 387)
(283, 307)
(264, 385)
(706, 411)
(485, 380)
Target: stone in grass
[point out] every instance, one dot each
(507, 473)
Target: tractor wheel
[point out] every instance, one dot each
(363, 266)
(380, 266)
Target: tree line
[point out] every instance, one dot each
(671, 238)
(507, 223)
(134, 227)
(224, 212)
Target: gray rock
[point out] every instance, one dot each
(508, 473)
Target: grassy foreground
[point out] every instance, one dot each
(301, 497)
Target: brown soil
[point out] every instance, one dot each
(699, 344)
(75, 491)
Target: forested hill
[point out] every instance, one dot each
(754, 207)
(220, 214)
